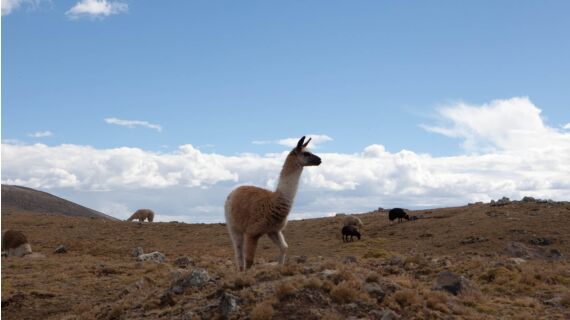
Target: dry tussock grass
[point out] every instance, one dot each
(262, 311)
(88, 281)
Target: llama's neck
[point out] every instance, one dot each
(289, 181)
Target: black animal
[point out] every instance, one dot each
(398, 213)
(349, 231)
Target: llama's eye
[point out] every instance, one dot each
(305, 153)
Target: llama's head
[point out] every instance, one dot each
(303, 156)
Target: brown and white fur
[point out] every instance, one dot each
(142, 214)
(252, 212)
(352, 221)
(15, 244)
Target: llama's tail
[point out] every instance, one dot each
(228, 208)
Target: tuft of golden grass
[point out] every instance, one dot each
(437, 300)
(313, 283)
(345, 292)
(240, 281)
(285, 289)
(407, 298)
(262, 311)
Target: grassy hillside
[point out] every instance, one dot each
(16, 199)
(513, 257)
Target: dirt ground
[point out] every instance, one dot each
(513, 257)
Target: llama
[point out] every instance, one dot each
(252, 212)
(15, 244)
(353, 221)
(142, 214)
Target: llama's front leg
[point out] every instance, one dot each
(279, 240)
(250, 246)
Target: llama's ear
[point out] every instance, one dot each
(300, 143)
(307, 143)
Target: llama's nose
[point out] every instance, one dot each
(318, 161)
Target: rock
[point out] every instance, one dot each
(351, 306)
(301, 259)
(308, 270)
(60, 249)
(516, 261)
(196, 278)
(182, 262)
(528, 199)
(554, 302)
(349, 259)
(329, 273)
(340, 215)
(473, 239)
(501, 202)
(166, 299)
(554, 254)
(156, 256)
(390, 315)
(451, 283)
(517, 250)
(541, 241)
(376, 314)
(389, 287)
(228, 305)
(375, 291)
(137, 252)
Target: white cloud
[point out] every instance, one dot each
(316, 141)
(96, 9)
(40, 134)
(567, 126)
(191, 185)
(133, 123)
(511, 124)
(8, 6)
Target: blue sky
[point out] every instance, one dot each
(219, 75)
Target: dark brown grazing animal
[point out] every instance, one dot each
(398, 213)
(349, 231)
(15, 244)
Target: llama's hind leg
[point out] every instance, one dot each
(250, 247)
(238, 239)
(279, 240)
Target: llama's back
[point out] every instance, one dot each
(245, 207)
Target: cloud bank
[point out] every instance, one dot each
(512, 152)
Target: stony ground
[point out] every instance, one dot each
(507, 262)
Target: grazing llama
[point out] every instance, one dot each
(252, 212)
(15, 244)
(142, 214)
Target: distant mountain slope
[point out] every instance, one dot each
(16, 199)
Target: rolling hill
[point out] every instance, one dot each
(17, 199)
